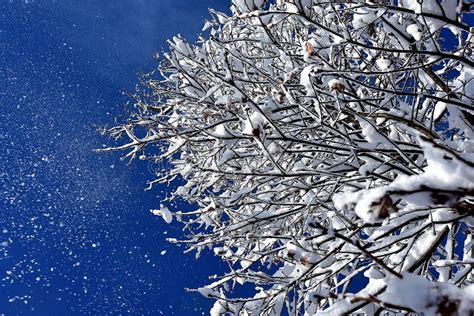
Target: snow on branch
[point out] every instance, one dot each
(326, 148)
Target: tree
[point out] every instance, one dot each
(327, 149)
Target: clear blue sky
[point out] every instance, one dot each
(76, 235)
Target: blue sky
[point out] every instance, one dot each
(76, 235)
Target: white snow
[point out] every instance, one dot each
(383, 63)
(165, 213)
(414, 30)
(421, 295)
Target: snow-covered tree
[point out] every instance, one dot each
(326, 149)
